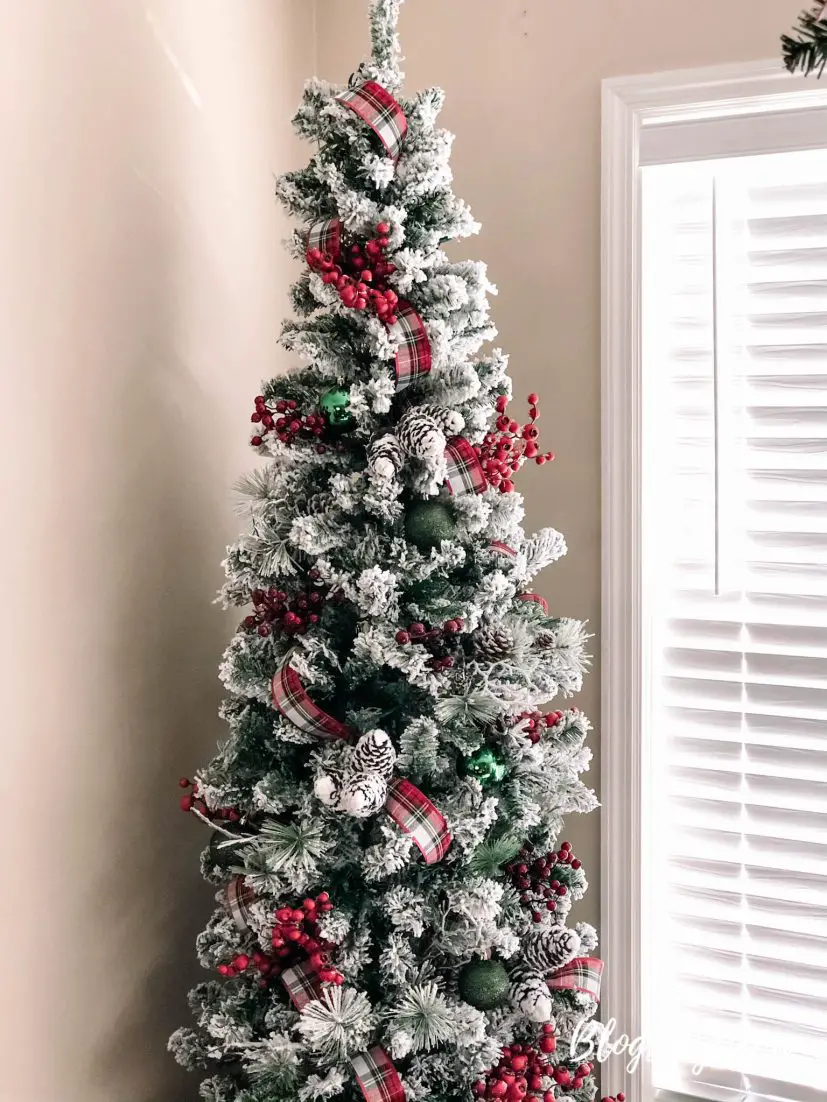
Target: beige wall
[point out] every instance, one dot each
(523, 82)
(142, 285)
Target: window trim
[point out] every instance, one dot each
(631, 104)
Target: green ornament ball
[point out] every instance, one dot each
(223, 854)
(335, 405)
(428, 523)
(486, 765)
(484, 984)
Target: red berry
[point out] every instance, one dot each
(322, 897)
(403, 638)
(383, 229)
(256, 441)
(241, 962)
(621, 1097)
(184, 782)
(533, 399)
(186, 803)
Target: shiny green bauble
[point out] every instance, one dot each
(486, 765)
(484, 984)
(223, 854)
(428, 523)
(335, 405)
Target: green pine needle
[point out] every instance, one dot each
(488, 859)
(807, 51)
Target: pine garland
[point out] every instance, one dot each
(807, 50)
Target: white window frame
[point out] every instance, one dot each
(631, 104)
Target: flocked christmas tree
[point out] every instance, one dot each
(393, 895)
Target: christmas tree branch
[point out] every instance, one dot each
(807, 50)
(386, 52)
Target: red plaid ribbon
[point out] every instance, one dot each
(377, 1077)
(302, 984)
(465, 473)
(326, 237)
(239, 897)
(581, 974)
(501, 548)
(377, 107)
(414, 813)
(541, 601)
(413, 347)
(291, 699)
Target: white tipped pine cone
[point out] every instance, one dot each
(530, 996)
(327, 789)
(385, 457)
(420, 435)
(547, 950)
(364, 794)
(373, 753)
(493, 642)
(451, 422)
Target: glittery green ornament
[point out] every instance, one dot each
(484, 984)
(428, 523)
(486, 765)
(336, 408)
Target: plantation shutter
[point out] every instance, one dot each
(735, 561)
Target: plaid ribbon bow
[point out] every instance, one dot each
(291, 699)
(413, 347)
(377, 1077)
(239, 898)
(581, 974)
(377, 107)
(409, 808)
(465, 473)
(326, 237)
(414, 814)
(302, 984)
(536, 598)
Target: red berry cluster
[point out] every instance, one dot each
(287, 421)
(192, 802)
(502, 453)
(619, 1097)
(297, 929)
(277, 612)
(523, 1073)
(435, 640)
(360, 276)
(569, 1080)
(534, 877)
(535, 722)
(296, 933)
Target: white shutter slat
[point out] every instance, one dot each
(735, 557)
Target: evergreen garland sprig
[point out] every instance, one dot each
(807, 49)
